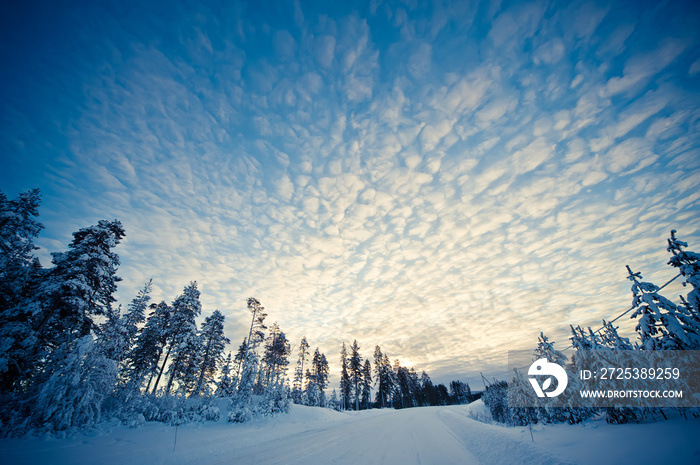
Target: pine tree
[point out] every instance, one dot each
(545, 349)
(298, 385)
(345, 384)
(81, 284)
(428, 394)
(214, 340)
(520, 395)
(181, 334)
(355, 372)
(275, 357)
(366, 384)
(312, 395)
(136, 314)
(321, 372)
(383, 378)
(406, 386)
(118, 333)
(256, 335)
(460, 392)
(238, 360)
(317, 380)
(142, 360)
(184, 369)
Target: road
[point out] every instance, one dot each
(428, 435)
(396, 437)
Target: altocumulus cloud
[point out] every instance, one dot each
(445, 181)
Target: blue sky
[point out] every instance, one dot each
(444, 179)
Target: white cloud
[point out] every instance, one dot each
(349, 197)
(325, 49)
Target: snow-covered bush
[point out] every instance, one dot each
(496, 399)
(73, 395)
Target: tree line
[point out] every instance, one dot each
(661, 324)
(71, 357)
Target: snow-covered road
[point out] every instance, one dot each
(427, 435)
(436, 435)
(421, 436)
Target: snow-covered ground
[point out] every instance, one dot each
(428, 435)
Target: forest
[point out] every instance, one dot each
(70, 357)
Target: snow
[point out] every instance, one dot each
(311, 435)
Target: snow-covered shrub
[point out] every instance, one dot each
(276, 400)
(496, 399)
(134, 420)
(240, 414)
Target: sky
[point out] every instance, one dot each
(442, 179)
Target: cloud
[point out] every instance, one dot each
(444, 192)
(325, 49)
(641, 67)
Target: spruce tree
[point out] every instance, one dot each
(688, 264)
(662, 325)
(224, 387)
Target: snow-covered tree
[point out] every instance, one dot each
(256, 335)
(366, 385)
(610, 338)
(460, 392)
(20, 272)
(81, 285)
(238, 360)
(519, 397)
(214, 341)
(334, 403)
(688, 264)
(181, 334)
(275, 358)
(556, 409)
(317, 380)
(382, 377)
(136, 314)
(298, 383)
(117, 335)
(141, 362)
(345, 385)
(662, 325)
(355, 373)
(321, 372)
(72, 397)
(225, 385)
